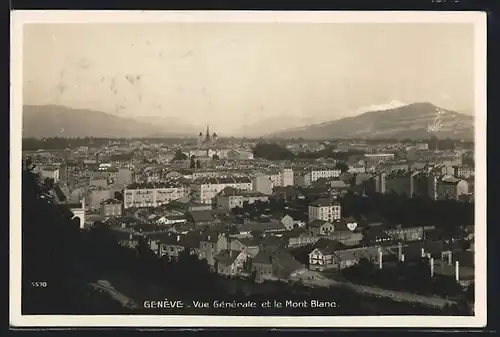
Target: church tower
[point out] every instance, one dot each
(207, 135)
(200, 139)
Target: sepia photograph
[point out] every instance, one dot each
(231, 169)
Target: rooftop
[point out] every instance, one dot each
(324, 202)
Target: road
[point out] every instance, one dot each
(317, 279)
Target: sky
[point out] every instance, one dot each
(235, 74)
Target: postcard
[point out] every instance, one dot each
(248, 169)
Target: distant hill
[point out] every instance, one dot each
(60, 121)
(171, 123)
(272, 124)
(408, 121)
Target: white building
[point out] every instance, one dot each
(324, 209)
(153, 195)
(50, 173)
(204, 190)
(316, 174)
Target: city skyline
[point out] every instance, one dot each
(317, 72)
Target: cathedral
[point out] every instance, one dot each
(208, 141)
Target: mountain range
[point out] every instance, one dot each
(59, 121)
(411, 121)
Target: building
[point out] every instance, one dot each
(262, 266)
(251, 245)
(356, 168)
(324, 209)
(262, 184)
(346, 232)
(210, 245)
(204, 190)
(153, 195)
(111, 208)
(50, 173)
(399, 182)
(286, 177)
(379, 157)
(230, 198)
(422, 146)
(316, 174)
(463, 171)
(449, 187)
(329, 258)
(232, 263)
(416, 233)
(320, 228)
(78, 210)
(96, 195)
(420, 184)
(208, 140)
(306, 178)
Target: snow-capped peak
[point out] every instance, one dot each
(379, 107)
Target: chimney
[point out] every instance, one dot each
(450, 259)
(422, 254)
(400, 251)
(432, 267)
(457, 271)
(208, 238)
(380, 261)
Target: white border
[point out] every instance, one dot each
(18, 18)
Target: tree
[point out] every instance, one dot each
(179, 155)
(198, 164)
(272, 151)
(342, 166)
(215, 157)
(193, 162)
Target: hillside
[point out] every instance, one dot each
(272, 124)
(409, 121)
(54, 120)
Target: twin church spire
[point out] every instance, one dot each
(208, 139)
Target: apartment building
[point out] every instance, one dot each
(286, 177)
(306, 178)
(316, 174)
(153, 194)
(324, 209)
(204, 190)
(463, 171)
